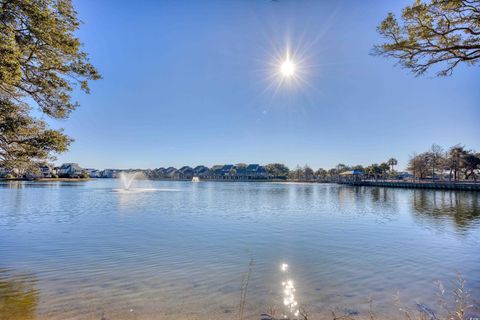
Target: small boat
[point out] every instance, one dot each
(195, 179)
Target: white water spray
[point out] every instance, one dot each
(127, 179)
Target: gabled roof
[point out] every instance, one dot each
(185, 169)
(261, 169)
(200, 169)
(74, 166)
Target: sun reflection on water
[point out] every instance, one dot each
(289, 290)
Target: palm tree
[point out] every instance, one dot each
(392, 162)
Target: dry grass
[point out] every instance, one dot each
(455, 304)
(243, 291)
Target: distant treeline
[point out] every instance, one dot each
(453, 164)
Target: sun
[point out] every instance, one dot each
(287, 68)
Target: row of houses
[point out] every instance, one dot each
(217, 172)
(66, 170)
(73, 170)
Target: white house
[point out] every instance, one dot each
(70, 170)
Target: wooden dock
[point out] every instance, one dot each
(416, 185)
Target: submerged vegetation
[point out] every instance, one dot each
(18, 296)
(454, 304)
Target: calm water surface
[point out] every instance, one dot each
(83, 250)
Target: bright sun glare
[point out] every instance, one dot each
(287, 68)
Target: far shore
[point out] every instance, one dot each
(46, 179)
(417, 184)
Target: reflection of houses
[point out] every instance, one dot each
(70, 170)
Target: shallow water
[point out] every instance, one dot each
(83, 250)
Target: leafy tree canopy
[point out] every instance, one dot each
(41, 62)
(442, 33)
(24, 140)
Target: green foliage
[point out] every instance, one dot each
(471, 164)
(439, 33)
(25, 141)
(41, 62)
(277, 170)
(321, 174)
(308, 173)
(459, 162)
(392, 162)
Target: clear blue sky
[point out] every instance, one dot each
(189, 82)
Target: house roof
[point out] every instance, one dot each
(351, 173)
(74, 166)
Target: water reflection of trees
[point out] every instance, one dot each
(462, 207)
(18, 296)
(381, 202)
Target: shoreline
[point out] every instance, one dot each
(457, 186)
(47, 179)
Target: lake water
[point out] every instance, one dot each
(83, 250)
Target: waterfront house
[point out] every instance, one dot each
(110, 173)
(256, 171)
(201, 172)
(46, 171)
(158, 173)
(9, 172)
(227, 171)
(403, 175)
(70, 170)
(216, 172)
(170, 172)
(93, 173)
(351, 175)
(185, 172)
(241, 173)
